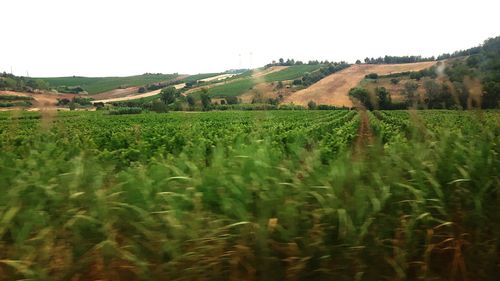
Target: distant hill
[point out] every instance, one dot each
(95, 85)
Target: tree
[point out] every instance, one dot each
(191, 101)
(311, 105)
(280, 85)
(141, 90)
(167, 95)
(361, 95)
(205, 99)
(358, 62)
(432, 92)
(372, 76)
(383, 97)
(232, 100)
(410, 92)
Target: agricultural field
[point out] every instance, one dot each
(95, 85)
(231, 88)
(263, 195)
(258, 79)
(292, 72)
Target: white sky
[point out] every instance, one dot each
(115, 38)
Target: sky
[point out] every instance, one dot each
(53, 38)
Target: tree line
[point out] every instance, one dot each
(21, 83)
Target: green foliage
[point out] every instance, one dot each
(168, 95)
(362, 96)
(15, 98)
(231, 88)
(95, 85)
(274, 195)
(311, 105)
(21, 84)
(291, 72)
(206, 102)
(125, 110)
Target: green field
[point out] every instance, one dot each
(266, 195)
(232, 88)
(95, 85)
(243, 83)
(292, 72)
(196, 77)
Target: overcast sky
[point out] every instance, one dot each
(116, 38)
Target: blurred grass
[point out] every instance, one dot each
(249, 196)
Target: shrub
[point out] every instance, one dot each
(125, 110)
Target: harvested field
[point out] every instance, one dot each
(333, 89)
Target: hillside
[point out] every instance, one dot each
(95, 85)
(260, 80)
(334, 89)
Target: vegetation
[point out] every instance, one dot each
(95, 85)
(459, 83)
(397, 59)
(21, 84)
(231, 88)
(125, 110)
(292, 72)
(278, 195)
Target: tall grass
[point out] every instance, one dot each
(257, 204)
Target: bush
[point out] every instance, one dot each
(311, 105)
(372, 76)
(125, 110)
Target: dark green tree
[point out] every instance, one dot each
(361, 95)
(311, 105)
(167, 95)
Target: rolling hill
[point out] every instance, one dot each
(95, 85)
(333, 89)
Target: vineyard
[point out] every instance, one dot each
(261, 195)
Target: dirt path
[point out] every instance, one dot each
(365, 134)
(333, 89)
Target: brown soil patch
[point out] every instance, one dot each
(42, 100)
(333, 89)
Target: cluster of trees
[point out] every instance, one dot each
(75, 102)
(156, 86)
(290, 62)
(311, 78)
(461, 53)
(396, 59)
(313, 106)
(380, 99)
(21, 84)
(481, 68)
(70, 89)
